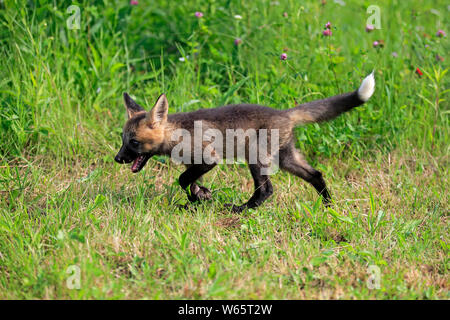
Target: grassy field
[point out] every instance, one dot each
(67, 209)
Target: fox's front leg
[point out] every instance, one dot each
(198, 193)
(188, 178)
(263, 190)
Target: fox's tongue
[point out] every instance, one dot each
(137, 164)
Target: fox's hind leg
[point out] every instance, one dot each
(263, 189)
(292, 161)
(189, 178)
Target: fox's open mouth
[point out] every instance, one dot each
(139, 163)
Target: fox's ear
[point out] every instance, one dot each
(131, 105)
(158, 114)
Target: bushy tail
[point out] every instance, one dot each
(329, 108)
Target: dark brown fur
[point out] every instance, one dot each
(152, 131)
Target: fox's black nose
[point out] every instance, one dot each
(119, 159)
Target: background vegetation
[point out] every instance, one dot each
(64, 202)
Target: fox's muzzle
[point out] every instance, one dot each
(124, 157)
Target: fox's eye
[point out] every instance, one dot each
(134, 143)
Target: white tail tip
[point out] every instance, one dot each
(367, 88)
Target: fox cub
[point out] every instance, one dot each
(146, 134)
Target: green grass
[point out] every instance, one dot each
(64, 202)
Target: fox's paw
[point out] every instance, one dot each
(199, 193)
(234, 208)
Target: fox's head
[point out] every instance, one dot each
(143, 133)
